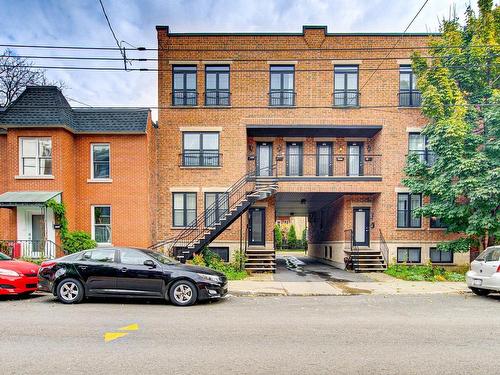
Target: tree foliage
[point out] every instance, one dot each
(461, 98)
(278, 236)
(16, 73)
(292, 237)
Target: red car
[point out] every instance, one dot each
(17, 277)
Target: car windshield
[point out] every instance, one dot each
(491, 254)
(160, 257)
(4, 257)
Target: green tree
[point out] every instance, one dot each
(278, 237)
(304, 238)
(461, 99)
(292, 237)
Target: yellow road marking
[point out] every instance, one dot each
(110, 336)
(132, 327)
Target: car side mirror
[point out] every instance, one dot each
(149, 263)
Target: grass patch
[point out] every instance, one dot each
(424, 273)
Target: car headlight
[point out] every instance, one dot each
(210, 277)
(4, 272)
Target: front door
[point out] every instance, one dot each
(37, 235)
(294, 159)
(324, 162)
(264, 159)
(361, 227)
(355, 159)
(257, 226)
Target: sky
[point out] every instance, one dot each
(82, 23)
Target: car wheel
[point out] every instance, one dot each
(70, 291)
(480, 292)
(183, 293)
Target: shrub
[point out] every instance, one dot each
(278, 237)
(292, 238)
(212, 260)
(426, 272)
(304, 238)
(78, 241)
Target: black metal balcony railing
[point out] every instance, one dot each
(200, 159)
(282, 98)
(185, 98)
(426, 157)
(39, 249)
(410, 98)
(336, 165)
(346, 98)
(214, 98)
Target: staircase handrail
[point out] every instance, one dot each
(384, 249)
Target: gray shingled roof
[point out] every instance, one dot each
(40, 106)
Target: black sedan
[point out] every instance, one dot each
(128, 272)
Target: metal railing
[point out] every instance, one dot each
(346, 98)
(351, 262)
(197, 229)
(384, 249)
(39, 249)
(214, 98)
(282, 98)
(410, 98)
(200, 159)
(184, 98)
(329, 165)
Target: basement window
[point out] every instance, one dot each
(409, 255)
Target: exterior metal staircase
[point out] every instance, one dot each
(238, 198)
(364, 259)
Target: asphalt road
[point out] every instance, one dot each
(432, 334)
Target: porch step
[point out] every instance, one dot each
(260, 260)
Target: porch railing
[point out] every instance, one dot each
(351, 261)
(329, 165)
(384, 249)
(39, 249)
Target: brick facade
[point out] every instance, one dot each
(317, 52)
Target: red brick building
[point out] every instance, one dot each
(316, 124)
(101, 163)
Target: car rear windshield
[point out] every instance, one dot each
(4, 257)
(490, 255)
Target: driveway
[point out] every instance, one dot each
(301, 268)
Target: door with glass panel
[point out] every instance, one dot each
(361, 227)
(355, 159)
(257, 226)
(324, 159)
(264, 159)
(294, 152)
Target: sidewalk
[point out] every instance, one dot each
(381, 285)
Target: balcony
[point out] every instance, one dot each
(329, 167)
(346, 98)
(282, 98)
(204, 159)
(217, 98)
(184, 98)
(410, 98)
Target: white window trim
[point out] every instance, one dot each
(92, 223)
(92, 178)
(21, 175)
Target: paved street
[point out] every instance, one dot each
(366, 334)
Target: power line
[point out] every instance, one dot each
(122, 50)
(397, 42)
(77, 101)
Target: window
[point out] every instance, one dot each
(100, 161)
(409, 255)
(282, 85)
(132, 257)
(184, 209)
(409, 96)
(216, 206)
(493, 255)
(438, 256)
(101, 224)
(99, 255)
(217, 85)
(435, 222)
(346, 86)
(184, 85)
(223, 252)
(407, 203)
(35, 156)
(200, 149)
(417, 144)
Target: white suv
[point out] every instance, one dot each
(484, 276)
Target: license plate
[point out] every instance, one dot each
(478, 282)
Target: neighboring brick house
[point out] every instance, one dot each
(101, 163)
(325, 120)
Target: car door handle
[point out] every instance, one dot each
(124, 269)
(82, 267)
